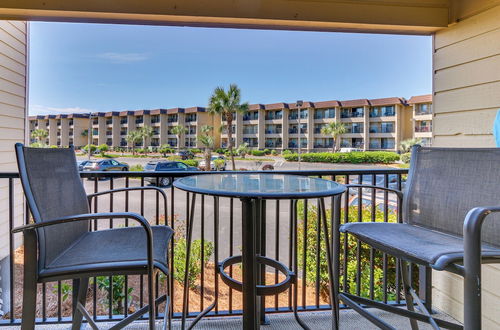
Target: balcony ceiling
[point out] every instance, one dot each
(373, 16)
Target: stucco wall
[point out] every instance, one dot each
(466, 100)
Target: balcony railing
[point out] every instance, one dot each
(376, 275)
(422, 129)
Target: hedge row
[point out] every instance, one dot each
(356, 157)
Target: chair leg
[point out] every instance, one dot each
(151, 298)
(29, 301)
(408, 296)
(80, 287)
(29, 280)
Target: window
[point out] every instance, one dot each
(251, 115)
(423, 109)
(182, 166)
(114, 162)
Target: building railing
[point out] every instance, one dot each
(372, 274)
(422, 129)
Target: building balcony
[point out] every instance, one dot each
(313, 306)
(423, 129)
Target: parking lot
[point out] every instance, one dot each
(277, 216)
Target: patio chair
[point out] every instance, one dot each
(68, 250)
(449, 194)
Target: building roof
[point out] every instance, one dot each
(387, 101)
(305, 105)
(141, 112)
(276, 106)
(195, 109)
(354, 103)
(112, 113)
(78, 115)
(158, 112)
(326, 104)
(420, 99)
(175, 110)
(257, 106)
(126, 113)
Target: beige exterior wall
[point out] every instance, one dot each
(13, 113)
(466, 99)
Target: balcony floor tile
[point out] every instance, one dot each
(315, 320)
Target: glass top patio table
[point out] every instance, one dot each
(259, 185)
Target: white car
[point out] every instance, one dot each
(349, 149)
(201, 164)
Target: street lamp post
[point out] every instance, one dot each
(299, 104)
(89, 136)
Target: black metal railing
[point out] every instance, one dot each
(371, 273)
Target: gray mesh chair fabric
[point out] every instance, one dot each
(446, 183)
(67, 248)
(57, 192)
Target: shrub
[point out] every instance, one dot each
(140, 150)
(286, 152)
(117, 290)
(136, 168)
(405, 158)
(190, 162)
(311, 252)
(267, 151)
(54, 147)
(357, 157)
(195, 150)
(166, 149)
(195, 266)
(274, 152)
(66, 290)
(219, 164)
(220, 151)
(37, 145)
(93, 148)
(258, 153)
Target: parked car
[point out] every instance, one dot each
(379, 181)
(105, 165)
(185, 154)
(166, 166)
(202, 165)
(81, 164)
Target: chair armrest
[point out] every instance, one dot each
(91, 196)
(399, 193)
(89, 216)
(472, 263)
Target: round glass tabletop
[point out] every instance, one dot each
(260, 185)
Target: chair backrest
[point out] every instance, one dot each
(445, 183)
(53, 189)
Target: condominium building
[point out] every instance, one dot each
(371, 124)
(422, 117)
(112, 128)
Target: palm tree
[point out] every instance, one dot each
(407, 144)
(227, 104)
(208, 142)
(40, 135)
(334, 129)
(146, 132)
(132, 138)
(179, 130)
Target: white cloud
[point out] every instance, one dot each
(123, 57)
(44, 110)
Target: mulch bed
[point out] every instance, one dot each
(225, 299)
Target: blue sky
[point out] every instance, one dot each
(98, 67)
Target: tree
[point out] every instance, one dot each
(334, 129)
(132, 138)
(40, 135)
(242, 150)
(406, 145)
(146, 132)
(208, 142)
(178, 131)
(227, 104)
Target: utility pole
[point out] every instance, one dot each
(299, 104)
(89, 136)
